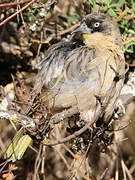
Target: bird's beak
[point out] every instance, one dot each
(83, 29)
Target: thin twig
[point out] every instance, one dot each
(103, 174)
(127, 171)
(68, 150)
(37, 162)
(43, 161)
(13, 3)
(123, 169)
(13, 15)
(117, 170)
(60, 33)
(63, 158)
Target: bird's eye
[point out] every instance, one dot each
(96, 24)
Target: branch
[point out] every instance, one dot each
(62, 115)
(13, 15)
(13, 3)
(16, 117)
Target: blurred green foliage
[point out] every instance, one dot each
(124, 13)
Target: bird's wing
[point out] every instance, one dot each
(86, 73)
(75, 81)
(52, 66)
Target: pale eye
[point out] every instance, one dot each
(96, 24)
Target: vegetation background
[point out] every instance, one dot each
(27, 29)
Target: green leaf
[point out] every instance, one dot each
(105, 8)
(118, 4)
(131, 31)
(35, 11)
(107, 2)
(133, 4)
(129, 48)
(93, 3)
(112, 12)
(30, 16)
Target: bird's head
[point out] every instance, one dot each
(98, 22)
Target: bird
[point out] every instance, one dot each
(74, 74)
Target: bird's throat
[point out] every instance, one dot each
(85, 36)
